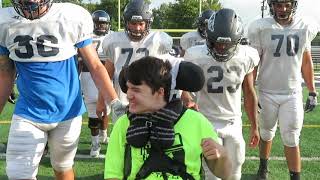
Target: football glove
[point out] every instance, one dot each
(12, 98)
(311, 102)
(117, 109)
(259, 108)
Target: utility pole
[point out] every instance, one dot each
(263, 7)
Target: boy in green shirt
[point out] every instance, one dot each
(158, 138)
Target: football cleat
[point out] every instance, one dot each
(262, 174)
(95, 150)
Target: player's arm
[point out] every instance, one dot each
(7, 76)
(308, 76)
(250, 106)
(98, 73)
(307, 71)
(101, 106)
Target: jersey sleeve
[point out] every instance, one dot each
(193, 53)
(313, 29)
(166, 43)
(114, 161)
(107, 48)
(253, 58)
(254, 35)
(85, 25)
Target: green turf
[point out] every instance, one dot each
(92, 169)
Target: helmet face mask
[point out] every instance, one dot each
(202, 22)
(224, 33)
(137, 18)
(283, 10)
(101, 20)
(31, 9)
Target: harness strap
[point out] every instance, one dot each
(160, 162)
(127, 162)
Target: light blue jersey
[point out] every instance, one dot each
(44, 54)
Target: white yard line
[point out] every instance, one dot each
(102, 156)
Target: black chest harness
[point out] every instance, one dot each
(142, 131)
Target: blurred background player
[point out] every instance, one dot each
(137, 41)
(228, 68)
(98, 126)
(199, 37)
(283, 41)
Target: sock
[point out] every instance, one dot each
(104, 132)
(95, 140)
(294, 175)
(263, 163)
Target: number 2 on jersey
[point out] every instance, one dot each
(219, 77)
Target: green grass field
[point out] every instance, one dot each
(92, 169)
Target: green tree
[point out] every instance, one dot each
(181, 14)
(6, 3)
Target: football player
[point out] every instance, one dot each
(98, 127)
(122, 48)
(283, 41)
(228, 68)
(196, 38)
(39, 39)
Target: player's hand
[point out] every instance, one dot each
(259, 107)
(254, 137)
(117, 109)
(311, 102)
(212, 150)
(192, 105)
(101, 109)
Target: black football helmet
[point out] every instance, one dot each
(137, 11)
(282, 16)
(202, 22)
(30, 9)
(224, 32)
(101, 20)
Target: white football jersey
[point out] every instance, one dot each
(220, 98)
(191, 39)
(97, 44)
(44, 40)
(121, 51)
(281, 49)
